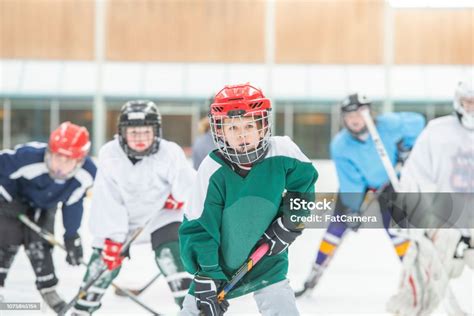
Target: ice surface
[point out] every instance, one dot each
(360, 279)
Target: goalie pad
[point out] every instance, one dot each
(426, 271)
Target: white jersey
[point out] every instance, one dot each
(442, 159)
(126, 195)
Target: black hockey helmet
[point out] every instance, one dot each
(353, 102)
(139, 113)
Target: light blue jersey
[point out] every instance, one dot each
(358, 164)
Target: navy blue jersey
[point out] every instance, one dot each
(358, 164)
(24, 176)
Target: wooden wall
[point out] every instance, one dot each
(307, 31)
(186, 30)
(330, 31)
(434, 36)
(46, 29)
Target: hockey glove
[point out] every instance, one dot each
(12, 209)
(172, 204)
(281, 233)
(74, 250)
(111, 254)
(403, 152)
(205, 292)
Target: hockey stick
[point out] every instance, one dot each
(103, 269)
(49, 237)
(396, 186)
(244, 269)
(136, 292)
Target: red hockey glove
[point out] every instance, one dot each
(111, 254)
(172, 204)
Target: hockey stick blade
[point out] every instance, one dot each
(121, 293)
(139, 291)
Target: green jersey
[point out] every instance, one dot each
(228, 214)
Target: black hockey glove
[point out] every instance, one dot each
(403, 152)
(12, 209)
(74, 250)
(205, 292)
(281, 233)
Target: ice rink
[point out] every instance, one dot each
(360, 279)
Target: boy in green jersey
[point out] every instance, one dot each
(237, 204)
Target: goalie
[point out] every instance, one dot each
(442, 160)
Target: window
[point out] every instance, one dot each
(77, 112)
(177, 128)
(1, 127)
(111, 126)
(430, 110)
(177, 121)
(442, 109)
(312, 129)
(30, 121)
(411, 107)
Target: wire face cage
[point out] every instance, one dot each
(243, 138)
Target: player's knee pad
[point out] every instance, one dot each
(167, 256)
(40, 255)
(95, 264)
(91, 301)
(168, 259)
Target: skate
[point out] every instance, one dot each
(52, 299)
(312, 280)
(76, 312)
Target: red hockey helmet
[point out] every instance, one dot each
(239, 100)
(70, 140)
(236, 102)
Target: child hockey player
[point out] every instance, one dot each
(360, 169)
(236, 201)
(441, 161)
(138, 171)
(34, 178)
